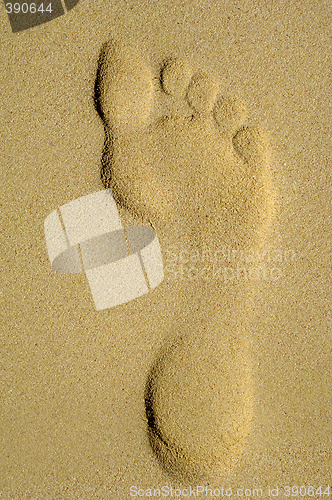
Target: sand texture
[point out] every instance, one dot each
(209, 122)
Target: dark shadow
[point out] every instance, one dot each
(99, 74)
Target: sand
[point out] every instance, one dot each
(74, 380)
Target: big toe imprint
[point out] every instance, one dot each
(209, 175)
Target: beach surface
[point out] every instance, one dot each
(73, 421)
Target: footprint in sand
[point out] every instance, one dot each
(202, 179)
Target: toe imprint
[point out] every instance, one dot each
(202, 92)
(230, 113)
(175, 77)
(124, 88)
(253, 145)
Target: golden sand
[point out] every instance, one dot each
(74, 380)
